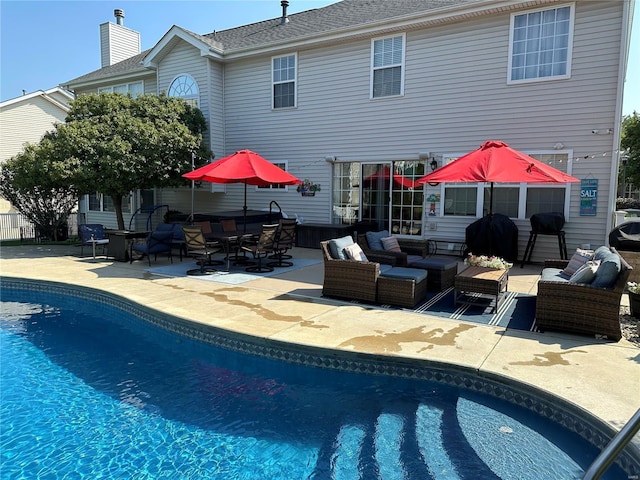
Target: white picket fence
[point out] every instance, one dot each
(15, 226)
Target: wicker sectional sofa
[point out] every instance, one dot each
(411, 248)
(580, 308)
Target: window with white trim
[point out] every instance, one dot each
(387, 66)
(283, 77)
(99, 202)
(185, 87)
(275, 186)
(134, 89)
(540, 44)
(516, 200)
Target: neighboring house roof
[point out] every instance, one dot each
(56, 95)
(335, 19)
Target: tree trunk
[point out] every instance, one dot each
(117, 204)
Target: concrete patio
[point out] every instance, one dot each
(598, 376)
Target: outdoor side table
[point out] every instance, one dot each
(119, 241)
(482, 281)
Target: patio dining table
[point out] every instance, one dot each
(231, 241)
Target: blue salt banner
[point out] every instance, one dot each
(588, 196)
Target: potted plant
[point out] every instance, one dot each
(633, 289)
(488, 262)
(307, 188)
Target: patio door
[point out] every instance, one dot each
(376, 194)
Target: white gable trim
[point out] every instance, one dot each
(45, 94)
(169, 38)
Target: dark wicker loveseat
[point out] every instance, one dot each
(410, 248)
(579, 308)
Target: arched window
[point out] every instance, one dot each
(185, 86)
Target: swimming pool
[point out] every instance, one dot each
(114, 395)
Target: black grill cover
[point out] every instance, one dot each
(626, 237)
(547, 222)
(493, 235)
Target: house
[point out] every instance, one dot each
(26, 119)
(342, 94)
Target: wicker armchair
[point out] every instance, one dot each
(581, 309)
(409, 246)
(349, 279)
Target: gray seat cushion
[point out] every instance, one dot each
(434, 263)
(554, 275)
(403, 272)
(413, 258)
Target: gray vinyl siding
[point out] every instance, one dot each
(215, 113)
(185, 59)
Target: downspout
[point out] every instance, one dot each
(625, 34)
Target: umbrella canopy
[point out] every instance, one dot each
(383, 175)
(245, 167)
(495, 161)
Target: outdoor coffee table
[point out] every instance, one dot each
(483, 281)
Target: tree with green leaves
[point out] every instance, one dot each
(630, 146)
(37, 185)
(115, 144)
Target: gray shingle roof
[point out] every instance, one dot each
(335, 17)
(338, 16)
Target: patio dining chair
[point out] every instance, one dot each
(285, 240)
(262, 248)
(198, 248)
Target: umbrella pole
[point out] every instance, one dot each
(491, 220)
(193, 185)
(244, 209)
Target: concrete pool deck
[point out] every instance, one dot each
(598, 376)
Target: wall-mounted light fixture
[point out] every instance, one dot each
(558, 146)
(330, 159)
(433, 164)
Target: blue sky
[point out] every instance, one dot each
(46, 43)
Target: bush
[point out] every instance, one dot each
(627, 203)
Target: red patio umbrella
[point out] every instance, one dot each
(245, 167)
(495, 161)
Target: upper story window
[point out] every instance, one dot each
(184, 86)
(275, 186)
(387, 66)
(540, 45)
(134, 89)
(283, 73)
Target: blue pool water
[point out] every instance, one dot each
(88, 391)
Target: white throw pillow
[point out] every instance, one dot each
(390, 244)
(586, 273)
(354, 252)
